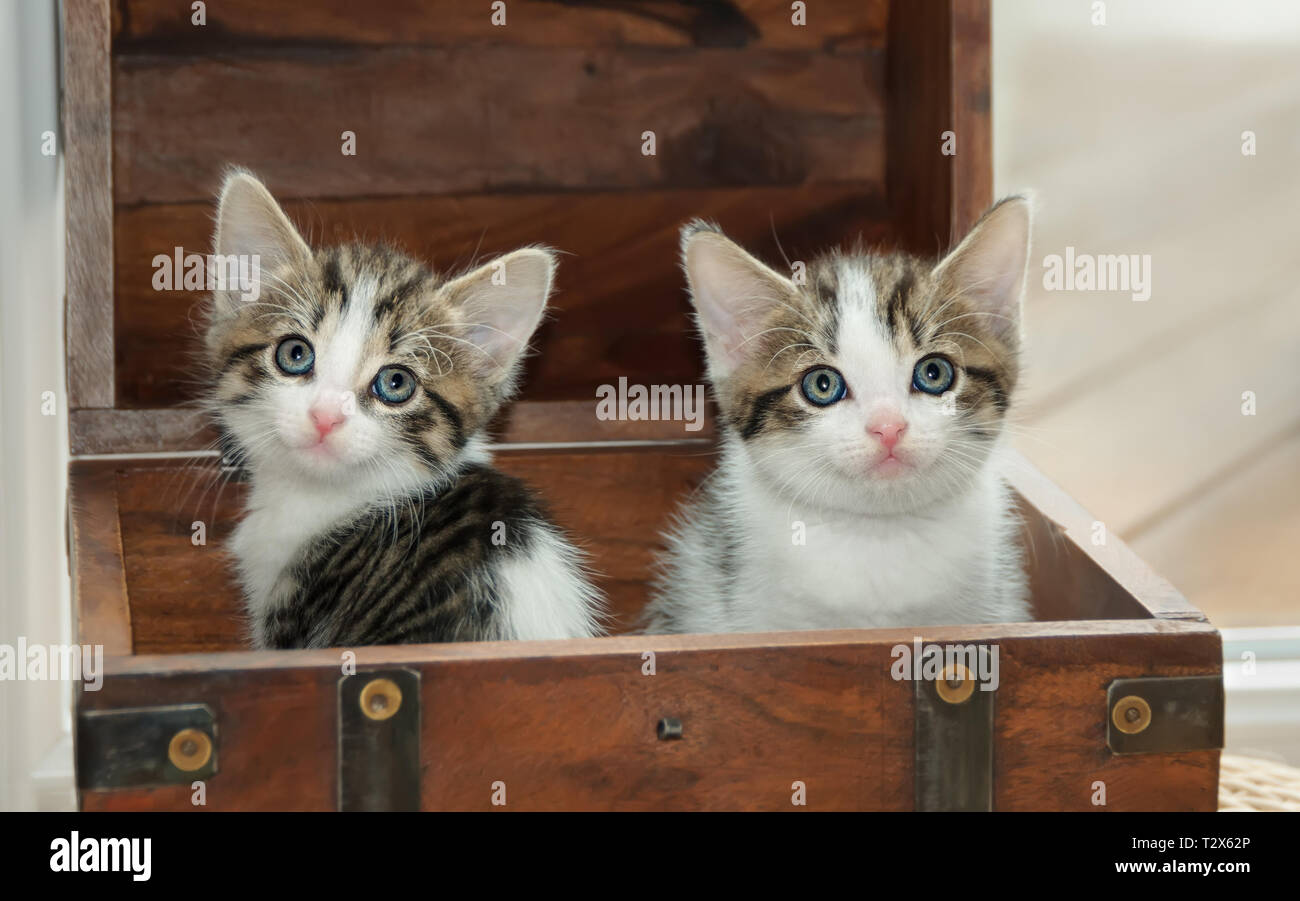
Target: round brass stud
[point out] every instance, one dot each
(1131, 715)
(189, 750)
(380, 699)
(955, 684)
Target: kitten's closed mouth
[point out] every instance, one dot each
(319, 450)
(890, 467)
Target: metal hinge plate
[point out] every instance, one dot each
(379, 740)
(1164, 714)
(140, 747)
(953, 754)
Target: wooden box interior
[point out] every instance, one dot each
(174, 596)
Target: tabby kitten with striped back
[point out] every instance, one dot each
(860, 481)
(355, 390)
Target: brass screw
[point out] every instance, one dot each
(1131, 715)
(955, 684)
(189, 750)
(381, 699)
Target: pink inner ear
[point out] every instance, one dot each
(732, 293)
(502, 317)
(719, 325)
(501, 329)
(990, 265)
(250, 223)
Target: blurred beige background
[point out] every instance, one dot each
(1130, 134)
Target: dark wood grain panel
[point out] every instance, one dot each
(88, 201)
(938, 81)
(972, 112)
(101, 603)
(184, 596)
(620, 308)
(164, 26)
(754, 722)
(615, 504)
(147, 431)
(463, 120)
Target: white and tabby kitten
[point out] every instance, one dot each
(860, 481)
(355, 390)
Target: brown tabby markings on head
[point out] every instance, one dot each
(923, 314)
(410, 324)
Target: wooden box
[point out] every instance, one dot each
(472, 137)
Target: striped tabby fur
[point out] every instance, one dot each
(372, 521)
(811, 519)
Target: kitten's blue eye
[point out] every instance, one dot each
(393, 385)
(933, 375)
(295, 356)
(823, 386)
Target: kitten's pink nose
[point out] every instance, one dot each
(325, 419)
(888, 430)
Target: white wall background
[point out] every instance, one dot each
(34, 594)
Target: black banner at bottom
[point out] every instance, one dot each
(616, 853)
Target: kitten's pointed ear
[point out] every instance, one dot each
(989, 265)
(251, 226)
(733, 294)
(501, 304)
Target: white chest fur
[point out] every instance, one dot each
(828, 569)
(956, 562)
(282, 517)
